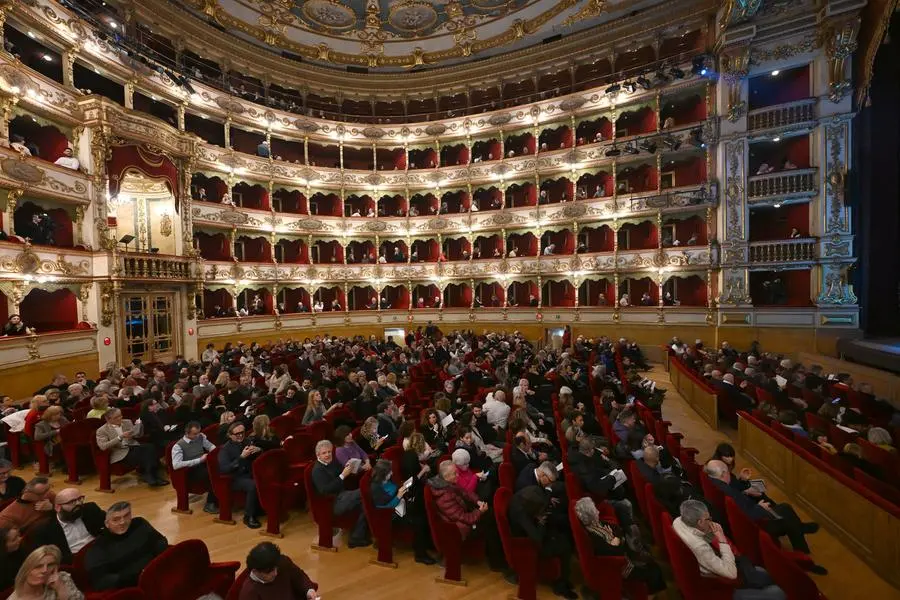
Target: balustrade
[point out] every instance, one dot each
(784, 183)
(156, 267)
(782, 115)
(796, 250)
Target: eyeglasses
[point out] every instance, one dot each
(238, 433)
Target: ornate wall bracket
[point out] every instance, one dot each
(735, 288)
(835, 289)
(735, 65)
(840, 44)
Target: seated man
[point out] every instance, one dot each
(32, 508)
(715, 554)
(328, 480)
(76, 525)
(190, 453)
(542, 476)
(600, 475)
(275, 576)
(531, 515)
(118, 436)
(119, 554)
(236, 459)
(777, 519)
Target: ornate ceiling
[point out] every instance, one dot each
(400, 34)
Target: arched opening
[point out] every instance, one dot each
(252, 249)
(327, 252)
(390, 159)
(425, 251)
(291, 251)
(555, 138)
(487, 199)
(255, 301)
(557, 242)
(218, 303)
(45, 141)
(427, 296)
(213, 246)
(393, 251)
(326, 205)
(454, 155)
(395, 297)
(329, 299)
(485, 150)
(422, 158)
(521, 194)
(49, 311)
(521, 244)
(595, 239)
(207, 189)
(392, 206)
(636, 122)
(522, 294)
(684, 232)
(639, 291)
(289, 201)
(423, 204)
(489, 295)
(458, 295)
(358, 158)
(253, 196)
(519, 144)
(556, 190)
(324, 156)
(454, 202)
(487, 247)
(43, 226)
(636, 179)
(595, 185)
(559, 294)
(640, 236)
(362, 297)
(457, 248)
(596, 292)
(685, 291)
(359, 206)
(294, 300)
(361, 252)
(591, 131)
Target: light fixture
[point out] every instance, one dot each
(47, 58)
(776, 205)
(775, 73)
(776, 139)
(113, 24)
(698, 66)
(614, 88)
(31, 35)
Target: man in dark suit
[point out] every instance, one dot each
(522, 456)
(542, 475)
(777, 519)
(738, 399)
(236, 459)
(76, 525)
(328, 480)
(597, 475)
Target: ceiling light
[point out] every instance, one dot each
(777, 205)
(776, 139)
(31, 35)
(775, 73)
(613, 88)
(47, 58)
(113, 24)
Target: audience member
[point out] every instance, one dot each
(236, 460)
(119, 437)
(76, 525)
(388, 494)
(12, 555)
(40, 578)
(32, 508)
(11, 486)
(274, 576)
(191, 453)
(329, 480)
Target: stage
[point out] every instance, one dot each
(877, 353)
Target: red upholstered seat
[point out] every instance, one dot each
(182, 487)
(786, 573)
(132, 593)
(381, 523)
(602, 574)
(227, 498)
(279, 486)
(745, 533)
(507, 476)
(75, 439)
(687, 572)
(714, 495)
(37, 449)
(654, 516)
(284, 425)
(449, 542)
(885, 490)
(321, 508)
(185, 571)
(235, 591)
(212, 433)
(105, 469)
(521, 553)
(639, 484)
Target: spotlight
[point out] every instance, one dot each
(776, 139)
(676, 73)
(696, 138)
(630, 149)
(698, 65)
(644, 82)
(629, 86)
(775, 73)
(648, 146)
(776, 206)
(47, 58)
(614, 151)
(614, 88)
(672, 142)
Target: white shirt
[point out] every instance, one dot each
(496, 412)
(178, 461)
(77, 535)
(69, 162)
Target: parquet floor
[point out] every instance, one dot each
(347, 574)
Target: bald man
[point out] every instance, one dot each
(76, 525)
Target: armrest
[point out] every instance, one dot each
(230, 566)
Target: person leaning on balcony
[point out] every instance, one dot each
(68, 160)
(795, 233)
(765, 169)
(14, 326)
(787, 165)
(17, 143)
(625, 301)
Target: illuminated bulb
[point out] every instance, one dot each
(775, 73)
(113, 24)
(31, 34)
(777, 205)
(776, 139)
(47, 58)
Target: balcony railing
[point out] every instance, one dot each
(156, 267)
(797, 182)
(782, 115)
(796, 250)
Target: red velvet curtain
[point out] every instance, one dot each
(49, 311)
(136, 158)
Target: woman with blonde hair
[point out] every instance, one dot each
(39, 578)
(225, 421)
(222, 380)
(99, 406)
(315, 408)
(47, 429)
(262, 435)
(416, 442)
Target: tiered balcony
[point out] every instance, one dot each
(784, 251)
(44, 263)
(782, 186)
(43, 179)
(155, 267)
(791, 114)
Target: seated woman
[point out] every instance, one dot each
(39, 578)
(479, 460)
(347, 448)
(387, 494)
(608, 539)
(36, 408)
(470, 480)
(881, 438)
(740, 481)
(262, 435)
(47, 429)
(225, 421)
(853, 454)
(12, 555)
(434, 432)
(316, 408)
(369, 440)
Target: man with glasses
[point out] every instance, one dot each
(236, 460)
(76, 525)
(190, 452)
(10, 485)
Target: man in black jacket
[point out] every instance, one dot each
(598, 475)
(119, 554)
(236, 459)
(76, 525)
(328, 480)
(531, 515)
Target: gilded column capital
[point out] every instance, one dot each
(840, 41)
(735, 66)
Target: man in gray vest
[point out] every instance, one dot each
(190, 453)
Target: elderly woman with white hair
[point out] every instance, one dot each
(467, 479)
(608, 539)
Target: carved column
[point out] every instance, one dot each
(540, 294)
(735, 65)
(187, 218)
(6, 106)
(227, 132)
(306, 151)
(68, 67)
(181, 112)
(84, 294)
(78, 225)
(12, 197)
(100, 154)
(129, 93)
(733, 218)
(840, 43)
(503, 243)
(472, 301)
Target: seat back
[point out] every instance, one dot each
(786, 573)
(885, 490)
(685, 568)
(284, 426)
(234, 592)
(583, 546)
(654, 515)
(713, 494)
(511, 545)
(320, 506)
(744, 531)
(639, 484)
(180, 571)
(212, 433)
(379, 519)
(441, 531)
(507, 474)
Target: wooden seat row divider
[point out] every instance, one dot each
(694, 392)
(866, 523)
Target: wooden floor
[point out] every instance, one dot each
(348, 574)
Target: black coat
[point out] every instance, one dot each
(50, 533)
(116, 561)
(326, 478)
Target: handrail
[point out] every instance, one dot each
(797, 249)
(782, 183)
(780, 115)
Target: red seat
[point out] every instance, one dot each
(786, 574)
(690, 466)
(132, 593)
(279, 486)
(235, 592)
(522, 554)
(507, 475)
(221, 484)
(449, 542)
(105, 469)
(885, 490)
(394, 454)
(182, 487)
(714, 495)
(321, 509)
(746, 536)
(212, 433)
(185, 571)
(602, 574)
(284, 426)
(690, 582)
(654, 515)
(37, 449)
(841, 438)
(639, 484)
(75, 437)
(814, 421)
(381, 522)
